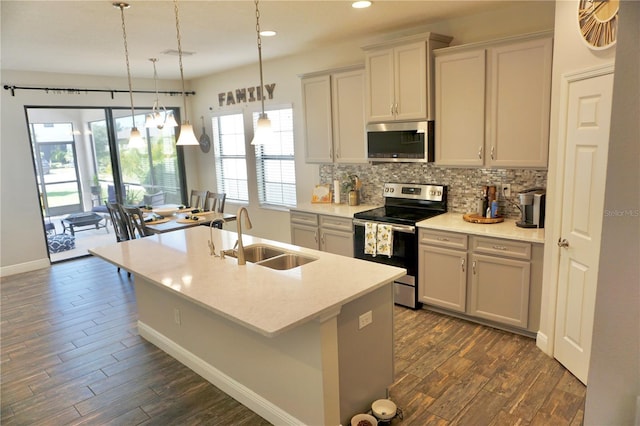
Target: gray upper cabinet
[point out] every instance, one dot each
(334, 116)
(492, 103)
(399, 78)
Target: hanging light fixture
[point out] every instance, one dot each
(135, 138)
(159, 117)
(264, 133)
(187, 137)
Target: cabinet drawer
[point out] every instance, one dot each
(304, 218)
(444, 239)
(507, 248)
(334, 222)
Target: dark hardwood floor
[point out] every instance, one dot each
(71, 354)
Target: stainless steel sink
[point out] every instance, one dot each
(271, 257)
(258, 253)
(286, 261)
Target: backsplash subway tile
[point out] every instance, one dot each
(464, 185)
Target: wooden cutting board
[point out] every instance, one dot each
(476, 218)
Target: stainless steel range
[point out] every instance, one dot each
(405, 205)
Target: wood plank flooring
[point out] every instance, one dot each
(71, 354)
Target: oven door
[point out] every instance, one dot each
(404, 255)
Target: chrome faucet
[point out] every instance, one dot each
(247, 223)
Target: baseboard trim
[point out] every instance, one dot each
(542, 342)
(228, 385)
(20, 268)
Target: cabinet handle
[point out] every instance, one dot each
(391, 109)
(473, 267)
(492, 152)
(499, 247)
(480, 153)
(462, 264)
(396, 108)
(315, 237)
(442, 239)
(322, 239)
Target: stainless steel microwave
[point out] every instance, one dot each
(401, 142)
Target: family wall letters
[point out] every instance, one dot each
(250, 94)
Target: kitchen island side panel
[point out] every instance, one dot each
(285, 370)
(366, 360)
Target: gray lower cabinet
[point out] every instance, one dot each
(444, 256)
(481, 278)
(328, 233)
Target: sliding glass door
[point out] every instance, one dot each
(82, 159)
(57, 167)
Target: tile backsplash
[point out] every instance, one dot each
(464, 185)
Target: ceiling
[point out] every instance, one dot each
(85, 37)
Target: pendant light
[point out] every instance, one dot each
(187, 137)
(159, 117)
(264, 133)
(135, 138)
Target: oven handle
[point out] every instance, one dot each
(407, 229)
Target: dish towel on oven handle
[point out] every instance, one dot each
(385, 240)
(370, 238)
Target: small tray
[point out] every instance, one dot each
(476, 218)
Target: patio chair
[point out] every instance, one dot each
(154, 200)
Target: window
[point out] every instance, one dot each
(231, 161)
(275, 165)
(148, 169)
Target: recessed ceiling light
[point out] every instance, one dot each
(360, 4)
(268, 33)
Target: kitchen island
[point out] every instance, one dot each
(308, 345)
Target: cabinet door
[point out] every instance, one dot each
(304, 236)
(410, 72)
(349, 136)
(336, 242)
(460, 106)
(519, 104)
(442, 277)
(316, 98)
(379, 93)
(500, 289)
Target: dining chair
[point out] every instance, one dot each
(120, 227)
(214, 201)
(135, 222)
(197, 199)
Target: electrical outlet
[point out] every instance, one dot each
(365, 319)
(176, 316)
(506, 189)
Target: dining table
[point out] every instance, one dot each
(183, 218)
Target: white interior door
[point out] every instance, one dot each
(587, 140)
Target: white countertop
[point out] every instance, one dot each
(265, 300)
(455, 223)
(342, 210)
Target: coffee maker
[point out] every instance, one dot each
(532, 206)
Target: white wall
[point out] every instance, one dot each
(614, 369)
(22, 244)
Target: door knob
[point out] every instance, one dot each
(563, 242)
